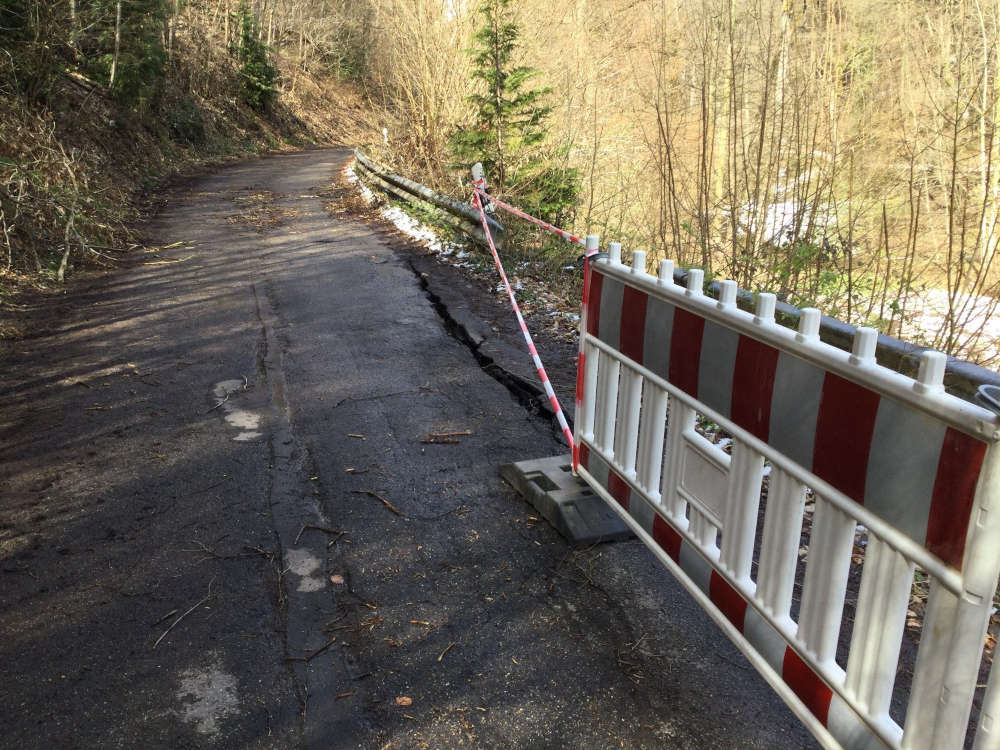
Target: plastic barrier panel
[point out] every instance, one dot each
(832, 474)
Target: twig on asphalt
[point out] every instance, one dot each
(345, 399)
(448, 648)
(259, 551)
(384, 502)
(230, 393)
(326, 529)
(171, 613)
(220, 403)
(207, 596)
(213, 554)
(315, 653)
(210, 487)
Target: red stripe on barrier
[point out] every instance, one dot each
(619, 489)
(667, 537)
(581, 361)
(633, 327)
(954, 492)
(844, 430)
(594, 310)
(812, 691)
(584, 459)
(753, 386)
(685, 350)
(728, 600)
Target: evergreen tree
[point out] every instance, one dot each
(259, 76)
(508, 134)
(125, 49)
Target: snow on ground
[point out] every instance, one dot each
(454, 253)
(928, 314)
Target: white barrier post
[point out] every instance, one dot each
(586, 361)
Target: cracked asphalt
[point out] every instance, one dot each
(249, 499)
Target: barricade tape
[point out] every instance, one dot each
(518, 212)
(553, 401)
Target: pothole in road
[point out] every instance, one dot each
(244, 420)
(209, 696)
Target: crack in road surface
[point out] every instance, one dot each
(526, 393)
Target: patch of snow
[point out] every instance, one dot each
(208, 696)
(247, 422)
(305, 565)
(366, 193)
(927, 314)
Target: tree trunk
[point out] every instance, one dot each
(172, 26)
(118, 42)
(73, 31)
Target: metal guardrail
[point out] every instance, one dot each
(460, 215)
(961, 378)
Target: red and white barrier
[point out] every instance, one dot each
(911, 467)
(835, 448)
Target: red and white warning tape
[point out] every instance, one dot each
(560, 417)
(518, 212)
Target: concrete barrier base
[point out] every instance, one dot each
(565, 501)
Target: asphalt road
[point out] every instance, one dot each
(222, 523)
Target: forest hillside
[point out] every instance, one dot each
(102, 101)
(842, 153)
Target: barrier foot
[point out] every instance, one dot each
(565, 501)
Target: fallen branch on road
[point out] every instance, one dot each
(384, 502)
(325, 529)
(208, 596)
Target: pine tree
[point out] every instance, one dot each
(508, 135)
(124, 49)
(258, 74)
